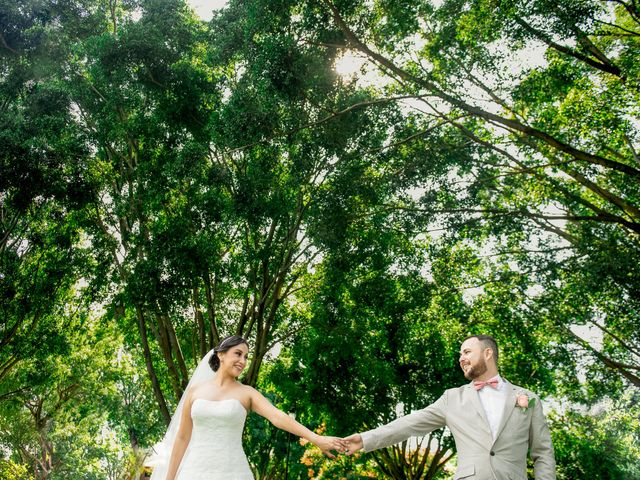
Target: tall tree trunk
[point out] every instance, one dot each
(199, 318)
(162, 336)
(210, 291)
(157, 391)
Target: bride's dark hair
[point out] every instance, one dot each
(226, 344)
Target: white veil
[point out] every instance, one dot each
(161, 451)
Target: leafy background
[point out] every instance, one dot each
(166, 181)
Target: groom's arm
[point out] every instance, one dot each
(540, 446)
(417, 423)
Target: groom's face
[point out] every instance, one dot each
(472, 361)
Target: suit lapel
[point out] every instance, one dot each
(475, 401)
(509, 406)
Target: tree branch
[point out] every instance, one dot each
(616, 337)
(325, 119)
(620, 367)
(4, 43)
(599, 65)
(510, 124)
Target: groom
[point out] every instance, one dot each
(493, 422)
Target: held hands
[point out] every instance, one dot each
(327, 444)
(348, 445)
(352, 444)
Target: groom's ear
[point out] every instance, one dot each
(489, 354)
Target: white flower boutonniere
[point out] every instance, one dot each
(524, 402)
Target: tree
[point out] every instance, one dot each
(200, 206)
(64, 421)
(603, 445)
(41, 181)
(554, 167)
(203, 179)
(45, 184)
(379, 336)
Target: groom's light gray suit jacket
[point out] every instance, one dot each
(479, 456)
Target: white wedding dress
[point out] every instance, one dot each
(215, 449)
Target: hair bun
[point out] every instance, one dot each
(214, 361)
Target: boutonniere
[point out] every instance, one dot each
(524, 402)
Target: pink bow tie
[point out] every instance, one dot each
(492, 383)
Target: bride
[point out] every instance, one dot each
(204, 438)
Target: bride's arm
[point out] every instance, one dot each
(264, 408)
(182, 438)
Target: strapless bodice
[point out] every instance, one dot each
(215, 449)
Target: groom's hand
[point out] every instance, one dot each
(354, 443)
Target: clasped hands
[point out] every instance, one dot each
(347, 445)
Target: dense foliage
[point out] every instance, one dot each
(166, 181)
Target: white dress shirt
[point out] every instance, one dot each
(493, 400)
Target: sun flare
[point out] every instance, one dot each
(349, 64)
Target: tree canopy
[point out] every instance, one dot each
(166, 181)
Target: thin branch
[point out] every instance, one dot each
(545, 225)
(9, 230)
(524, 213)
(613, 25)
(613, 364)
(7, 366)
(495, 280)
(338, 46)
(616, 337)
(632, 148)
(13, 393)
(323, 120)
(629, 209)
(581, 179)
(631, 9)
(406, 140)
(5, 44)
(525, 251)
(588, 45)
(607, 66)
(479, 83)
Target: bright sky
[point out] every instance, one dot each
(348, 65)
(204, 7)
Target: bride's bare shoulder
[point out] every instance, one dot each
(246, 390)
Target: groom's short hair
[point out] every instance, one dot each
(487, 341)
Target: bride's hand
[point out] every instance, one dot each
(327, 444)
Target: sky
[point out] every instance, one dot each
(204, 7)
